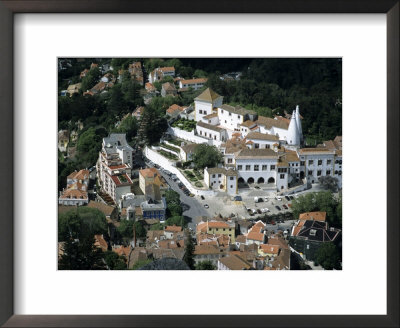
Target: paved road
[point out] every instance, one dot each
(192, 206)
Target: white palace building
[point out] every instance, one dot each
(260, 150)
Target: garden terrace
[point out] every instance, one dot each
(184, 124)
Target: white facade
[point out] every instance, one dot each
(220, 179)
(212, 132)
(317, 162)
(196, 84)
(114, 166)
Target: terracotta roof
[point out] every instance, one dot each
(206, 249)
(291, 156)
(116, 167)
(106, 209)
(189, 148)
(74, 194)
(118, 182)
(194, 81)
(201, 227)
(173, 228)
(81, 175)
(317, 216)
(168, 86)
(209, 126)
(166, 69)
(241, 239)
(270, 122)
(258, 226)
(248, 123)
(150, 172)
(261, 136)
(207, 95)
(284, 119)
(218, 224)
(277, 241)
(233, 262)
(211, 115)
(258, 153)
(306, 151)
(173, 108)
(149, 86)
(100, 242)
(282, 261)
(255, 236)
(269, 249)
(237, 110)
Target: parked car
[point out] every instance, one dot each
(287, 197)
(259, 211)
(273, 222)
(206, 206)
(291, 197)
(256, 187)
(265, 210)
(285, 207)
(277, 207)
(278, 198)
(202, 197)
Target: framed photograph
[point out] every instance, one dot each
(154, 136)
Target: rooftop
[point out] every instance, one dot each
(209, 126)
(261, 136)
(257, 153)
(237, 110)
(234, 262)
(270, 122)
(317, 216)
(208, 95)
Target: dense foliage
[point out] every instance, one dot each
(205, 265)
(76, 228)
(174, 208)
(81, 223)
(321, 201)
(329, 257)
(206, 156)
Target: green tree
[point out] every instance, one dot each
(114, 261)
(81, 223)
(199, 73)
(152, 126)
(141, 263)
(157, 226)
(89, 145)
(330, 183)
(321, 201)
(129, 126)
(328, 256)
(189, 250)
(176, 220)
(206, 156)
(90, 80)
(81, 254)
(126, 229)
(205, 265)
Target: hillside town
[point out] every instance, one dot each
(177, 178)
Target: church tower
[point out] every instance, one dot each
(293, 131)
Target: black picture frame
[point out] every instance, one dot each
(10, 7)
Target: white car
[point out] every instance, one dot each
(264, 210)
(278, 198)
